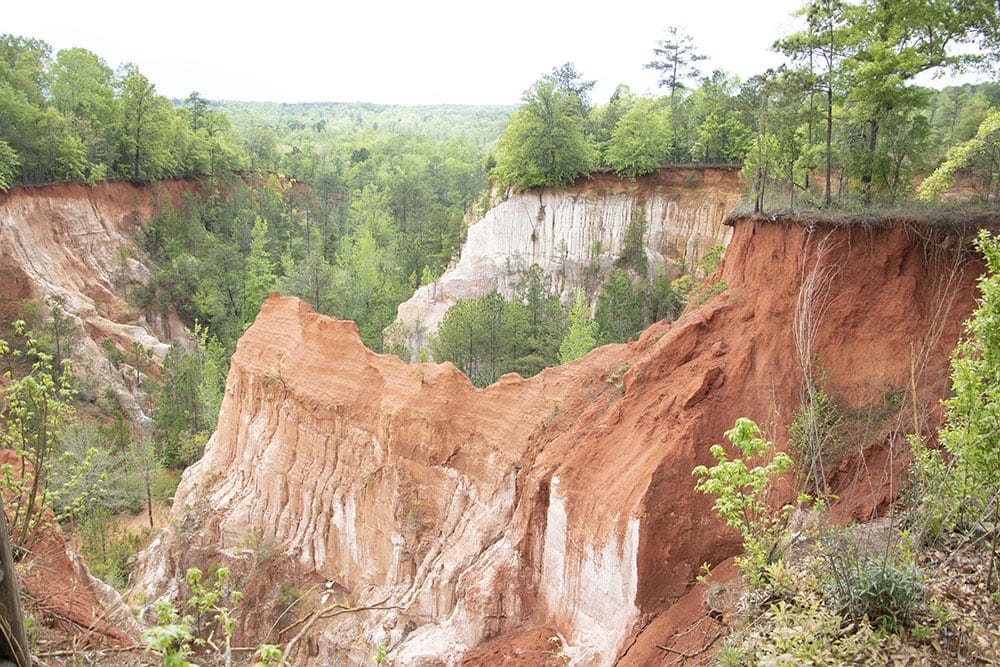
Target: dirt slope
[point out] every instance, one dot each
(79, 243)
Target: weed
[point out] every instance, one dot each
(729, 656)
(559, 651)
(381, 654)
(885, 588)
(207, 626)
(268, 655)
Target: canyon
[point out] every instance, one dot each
(75, 247)
(417, 513)
(363, 502)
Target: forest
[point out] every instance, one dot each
(353, 206)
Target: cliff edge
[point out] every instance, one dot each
(78, 244)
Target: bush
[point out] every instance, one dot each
(108, 548)
(809, 634)
(816, 435)
(885, 588)
(742, 493)
(962, 493)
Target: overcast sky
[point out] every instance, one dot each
(397, 52)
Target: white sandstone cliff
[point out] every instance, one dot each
(575, 234)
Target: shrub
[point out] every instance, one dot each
(816, 435)
(808, 634)
(108, 547)
(963, 493)
(885, 588)
(742, 492)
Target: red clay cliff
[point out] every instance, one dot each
(436, 519)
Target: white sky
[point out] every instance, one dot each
(397, 52)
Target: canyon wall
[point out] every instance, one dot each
(575, 234)
(414, 512)
(79, 243)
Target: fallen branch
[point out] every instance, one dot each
(330, 611)
(110, 649)
(686, 656)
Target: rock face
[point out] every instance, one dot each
(575, 234)
(78, 243)
(434, 516)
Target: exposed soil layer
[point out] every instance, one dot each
(452, 516)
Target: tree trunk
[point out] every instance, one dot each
(829, 144)
(867, 177)
(13, 639)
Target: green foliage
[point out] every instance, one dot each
(861, 120)
(603, 119)
(171, 640)
(558, 650)
(73, 118)
(712, 260)
(722, 138)
(490, 336)
(762, 168)
(546, 141)
(85, 476)
(354, 244)
(36, 408)
(816, 434)
(742, 490)
(832, 601)
(980, 154)
(581, 337)
(633, 253)
(186, 399)
(803, 634)
(207, 626)
(9, 164)
(108, 548)
(56, 332)
(962, 493)
(619, 310)
(641, 140)
(882, 588)
(675, 58)
(260, 277)
(325, 123)
(268, 655)
(785, 149)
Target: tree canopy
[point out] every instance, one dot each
(546, 142)
(72, 118)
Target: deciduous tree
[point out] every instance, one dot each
(146, 118)
(546, 141)
(581, 337)
(641, 141)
